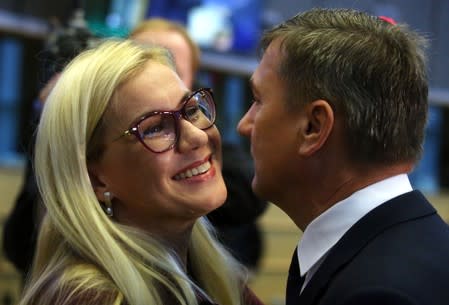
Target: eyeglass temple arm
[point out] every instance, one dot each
(126, 133)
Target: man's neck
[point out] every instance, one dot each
(307, 203)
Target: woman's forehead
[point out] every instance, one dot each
(156, 87)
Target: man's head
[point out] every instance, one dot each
(336, 91)
(371, 72)
(174, 37)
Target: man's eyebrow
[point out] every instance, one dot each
(252, 85)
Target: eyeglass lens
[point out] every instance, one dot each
(158, 131)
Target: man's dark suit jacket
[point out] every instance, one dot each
(398, 254)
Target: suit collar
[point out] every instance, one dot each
(328, 228)
(403, 208)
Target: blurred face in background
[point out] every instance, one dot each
(177, 45)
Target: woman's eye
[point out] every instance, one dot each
(156, 126)
(193, 112)
(153, 131)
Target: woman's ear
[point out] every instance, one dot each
(317, 125)
(98, 185)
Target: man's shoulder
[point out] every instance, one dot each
(402, 263)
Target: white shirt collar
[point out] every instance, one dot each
(327, 229)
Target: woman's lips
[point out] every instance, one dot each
(201, 169)
(195, 169)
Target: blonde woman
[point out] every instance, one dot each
(127, 162)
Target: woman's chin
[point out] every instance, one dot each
(216, 200)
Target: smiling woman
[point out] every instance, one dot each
(124, 218)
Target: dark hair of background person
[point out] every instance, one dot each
(22, 224)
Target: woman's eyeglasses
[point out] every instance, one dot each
(159, 131)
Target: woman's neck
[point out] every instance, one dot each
(179, 242)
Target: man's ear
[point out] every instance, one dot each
(316, 128)
(97, 183)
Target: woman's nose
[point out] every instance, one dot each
(190, 137)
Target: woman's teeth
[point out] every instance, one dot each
(194, 171)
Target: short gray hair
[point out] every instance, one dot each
(371, 71)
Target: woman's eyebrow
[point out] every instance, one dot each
(184, 97)
(148, 112)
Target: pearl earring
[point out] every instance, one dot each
(108, 204)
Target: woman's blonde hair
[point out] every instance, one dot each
(83, 256)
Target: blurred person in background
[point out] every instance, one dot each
(22, 224)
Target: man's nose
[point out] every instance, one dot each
(245, 125)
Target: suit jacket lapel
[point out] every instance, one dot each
(294, 281)
(400, 209)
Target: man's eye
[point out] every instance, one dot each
(255, 101)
